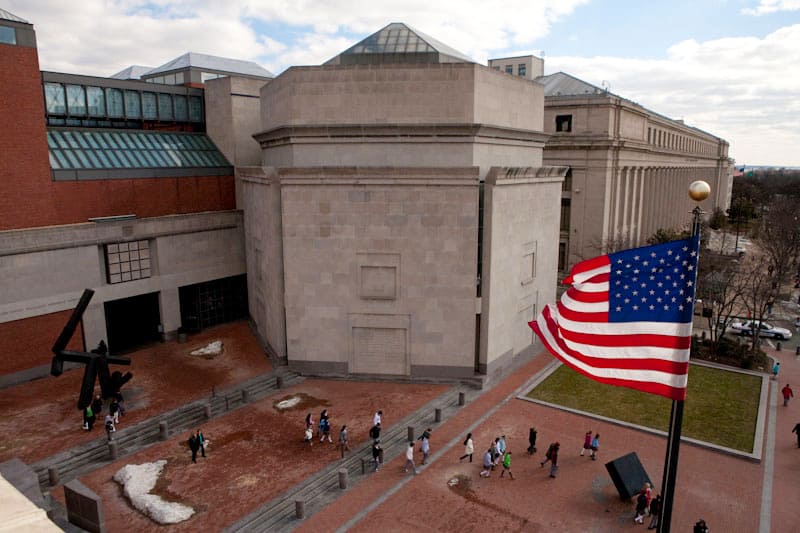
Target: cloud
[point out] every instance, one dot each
(100, 37)
(772, 6)
(742, 89)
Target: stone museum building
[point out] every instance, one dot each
(399, 210)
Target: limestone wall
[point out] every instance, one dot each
(380, 268)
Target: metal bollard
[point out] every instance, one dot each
(462, 399)
(410, 433)
(300, 509)
(245, 396)
(113, 449)
(207, 411)
(342, 478)
(227, 403)
(778, 346)
(163, 430)
(363, 466)
(278, 382)
(797, 351)
(437, 415)
(52, 474)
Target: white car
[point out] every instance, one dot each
(765, 330)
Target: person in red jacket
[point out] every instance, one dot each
(787, 394)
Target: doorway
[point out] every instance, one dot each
(132, 322)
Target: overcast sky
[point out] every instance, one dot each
(730, 67)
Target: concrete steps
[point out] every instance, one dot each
(90, 456)
(320, 489)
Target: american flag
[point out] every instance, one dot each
(627, 318)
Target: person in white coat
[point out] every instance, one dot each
(410, 459)
(469, 448)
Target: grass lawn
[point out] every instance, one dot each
(721, 406)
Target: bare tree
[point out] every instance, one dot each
(779, 238)
(757, 289)
(720, 288)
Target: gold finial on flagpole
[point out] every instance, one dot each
(699, 190)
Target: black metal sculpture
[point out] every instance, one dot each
(96, 361)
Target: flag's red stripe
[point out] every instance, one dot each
(673, 393)
(589, 264)
(578, 316)
(623, 363)
(635, 339)
(587, 297)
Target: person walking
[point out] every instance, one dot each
(377, 454)
(110, 426)
(787, 394)
(496, 455)
(310, 423)
(641, 507)
(343, 439)
(531, 441)
(375, 431)
(587, 442)
(797, 430)
(700, 527)
(469, 448)
(425, 445)
(655, 511)
(775, 369)
(194, 446)
(113, 408)
(507, 465)
(595, 446)
(554, 461)
(488, 464)
(410, 459)
(501, 445)
(548, 455)
(88, 418)
(309, 437)
(376, 418)
(324, 426)
(97, 405)
(201, 442)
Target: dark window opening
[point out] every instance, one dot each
(480, 238)
(563, 122)
(213, 302)
(522, 69)
(562, 257)
(566, 206)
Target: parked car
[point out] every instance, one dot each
(765, 330)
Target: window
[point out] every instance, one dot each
(114, 102)
(8, 35)
(205, 76)
(566, 205)
(76, 100)
(97, 101)
(127, 261)
(179, 78)
(563, 122)
(522, 69)
(165, 107)
(54, 98)
(169, 79)
(195, 109)
(562, 256)
(133, 105)
(181, 111)
(496, 68)
(566, 185)
(149, 106)
(509, 69)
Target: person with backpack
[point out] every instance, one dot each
(324, 426)
(488, 464)
(469, 448)
(595, 446)
(343, 440)
(655, 511)
(425, 446)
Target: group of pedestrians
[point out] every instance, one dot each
(94, 410)
(197, 443)
(324, 431)
(647, 505)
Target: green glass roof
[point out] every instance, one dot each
(117, 150)
(403, 43)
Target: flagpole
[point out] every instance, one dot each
(698, 191)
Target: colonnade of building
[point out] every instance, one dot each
(645, 199)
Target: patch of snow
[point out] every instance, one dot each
(137, 482)
(453, 482)
(288, 403)
(214, 348)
